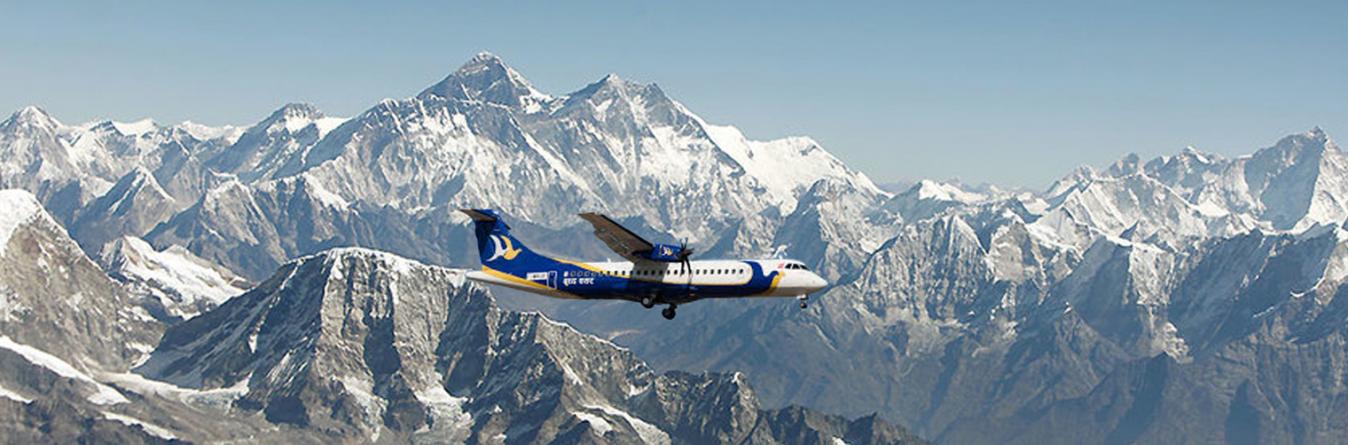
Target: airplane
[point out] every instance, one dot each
(654, 273)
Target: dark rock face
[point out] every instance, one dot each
(359, 343)
(55, 421)
(57, 299)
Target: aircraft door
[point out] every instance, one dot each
(552, 279)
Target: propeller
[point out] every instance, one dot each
(684, 253)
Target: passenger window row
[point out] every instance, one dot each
(648, 273)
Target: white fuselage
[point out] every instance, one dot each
(793, 282)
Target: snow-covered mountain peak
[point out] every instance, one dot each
(268, 147)
(615, 96)
(55, 298)
(1316, 132)
(30, 118)
(296, 110)
(487, 78)
(1127, 165)
(340, 260)
(294, 117)
(786, 166)
(610, 81)
(1071, 181)
(1294, 146)
(30, 112)
(1189, 156)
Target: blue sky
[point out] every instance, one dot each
(1013, 93)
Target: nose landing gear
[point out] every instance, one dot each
(803, 299)
(668, 312)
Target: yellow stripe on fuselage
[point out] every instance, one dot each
(773, 286)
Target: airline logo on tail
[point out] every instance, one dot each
(503, 248)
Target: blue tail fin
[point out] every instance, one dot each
(497, 248)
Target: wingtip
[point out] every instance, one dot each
(484, 215)
(589, 216)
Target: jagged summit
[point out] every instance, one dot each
(487, 78)
(29, 118)
(482, 58)
(266, 147)
(300, 110)
(1312, 137)
(55, 298)
(30, 112)
(611, 86)
(297, 117)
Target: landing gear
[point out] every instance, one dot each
(668, 312)
(803, 299)
(647, 302)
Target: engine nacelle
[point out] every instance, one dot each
(666, 253)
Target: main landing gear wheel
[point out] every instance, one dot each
(647, 302)
(668, 312)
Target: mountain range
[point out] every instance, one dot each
(300, 275)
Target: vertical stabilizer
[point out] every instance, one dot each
(496, 247)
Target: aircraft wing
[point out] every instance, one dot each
(617, 237)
